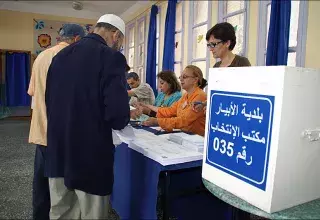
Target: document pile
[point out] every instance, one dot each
(192, 142)
(164, 152)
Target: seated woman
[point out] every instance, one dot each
(180, 115)
(170, 93)
(221, 40)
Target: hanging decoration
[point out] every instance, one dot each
(200, 37)
(44, 40)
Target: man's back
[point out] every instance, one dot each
(37, 88)
(86, 98)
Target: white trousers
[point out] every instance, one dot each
(76, 204)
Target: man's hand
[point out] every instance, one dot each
(142, 107)
(150, 122)
(136, 113)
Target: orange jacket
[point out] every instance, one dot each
(181, 116)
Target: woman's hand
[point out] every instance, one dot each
(146, 109)
(150, 122)
(198, 106)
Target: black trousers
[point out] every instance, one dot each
(40, 189)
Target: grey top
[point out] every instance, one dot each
(238, 61)
(143, 93)
(310, 210)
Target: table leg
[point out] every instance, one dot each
(166, 196)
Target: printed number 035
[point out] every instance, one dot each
(223, 146)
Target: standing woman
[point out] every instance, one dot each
(221, 40)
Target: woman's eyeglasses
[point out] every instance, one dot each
(213, 45)
(186, 76)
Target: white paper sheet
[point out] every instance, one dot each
(165, 152)
(124, 135)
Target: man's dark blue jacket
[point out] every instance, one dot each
(86, 97)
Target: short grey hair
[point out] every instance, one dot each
(66, 39)
(108, 27)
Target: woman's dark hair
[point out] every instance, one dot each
(225, 32)
(202, 83)
(170, 77)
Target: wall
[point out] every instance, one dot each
(313, 36)
(16, 28)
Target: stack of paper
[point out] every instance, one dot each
(165, 152)
(192, 142)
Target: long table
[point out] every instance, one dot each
(135, 191)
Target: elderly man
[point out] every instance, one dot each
(86, 98)
(140, 92)
(69, 34)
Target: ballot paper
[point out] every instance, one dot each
(164, 152)
(192, 142)
(125, 135)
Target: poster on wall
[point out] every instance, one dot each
(46, 33)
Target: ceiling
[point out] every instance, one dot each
(91, 9)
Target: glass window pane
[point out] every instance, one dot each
(141, 55)
(141, 32)
(131, 37)
(199, 42)
(141, 73)
(202, 65)
(158, 25)
(157, 52)
(292, 59)
(200, 12)
(177, 50)
(131, 57)
(294, 22)
(232, 6)
(177, 69)
(238, 22)
(179, 16)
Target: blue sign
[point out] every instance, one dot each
(239, 135)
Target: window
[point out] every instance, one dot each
(200, 23)
(236, 13)
(178, 52)
(141, 48)
(131, 44)
(297, 36)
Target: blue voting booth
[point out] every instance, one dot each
(239, 135)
